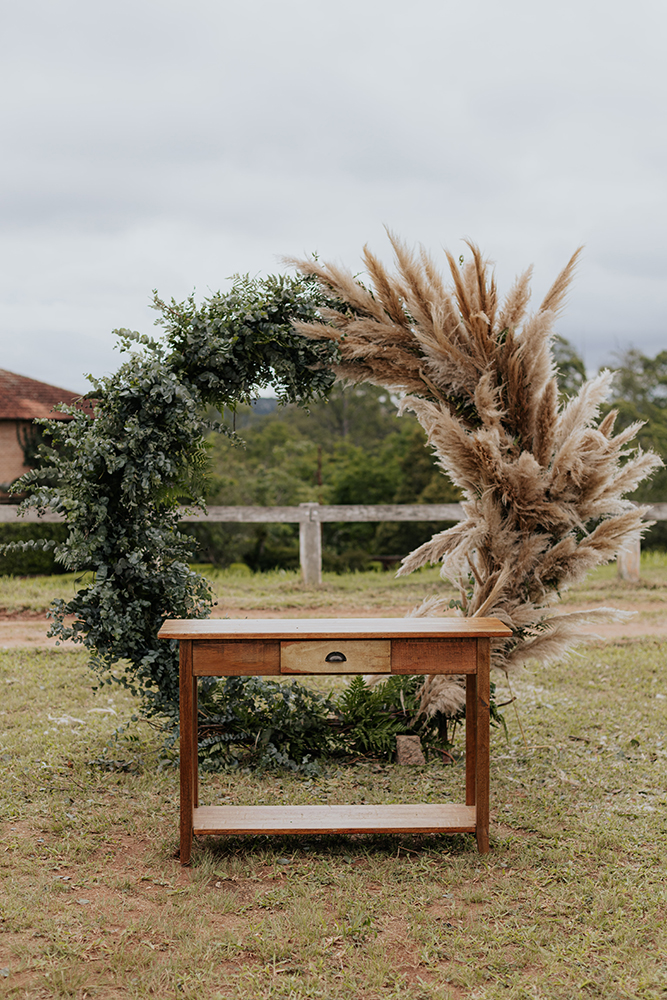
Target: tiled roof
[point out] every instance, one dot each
(24, 398)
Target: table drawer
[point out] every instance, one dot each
(336, 656)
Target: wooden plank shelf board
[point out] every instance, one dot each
(419, 818)
(256, 647)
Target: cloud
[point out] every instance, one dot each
(159, 144)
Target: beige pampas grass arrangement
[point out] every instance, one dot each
(544, 482)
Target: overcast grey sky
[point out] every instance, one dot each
(164, 144)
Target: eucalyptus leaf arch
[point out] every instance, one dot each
(119, 478)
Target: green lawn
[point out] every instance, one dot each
(283, 590)
(571, 902)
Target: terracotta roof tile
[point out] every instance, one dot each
(24, 398)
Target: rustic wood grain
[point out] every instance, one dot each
(292, 515)
(471, 737)
(188, 748)
(324, 628)
(195, 742)
(483, 750)
(430, 656)
(419, 818)
(329, 513)
(236, 658)
(246, 647)
(362, 656)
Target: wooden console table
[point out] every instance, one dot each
(279, 647)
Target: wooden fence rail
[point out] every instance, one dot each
(311, 516)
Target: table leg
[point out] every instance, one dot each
(195, 743)
(188, 747)
(482, 741)
(471, 738)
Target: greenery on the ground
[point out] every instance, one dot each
(570, 902)
(251, 722)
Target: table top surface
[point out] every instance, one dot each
(339, 628)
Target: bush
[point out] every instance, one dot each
(655, 539)
(219, 544)
(31, 561)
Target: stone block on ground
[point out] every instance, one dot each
(409, 750)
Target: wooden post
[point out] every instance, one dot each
(195, 740)
(310, 545)
(628, 560)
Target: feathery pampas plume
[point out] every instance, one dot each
(544, 483)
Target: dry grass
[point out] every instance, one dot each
(32, 594)
(571, 902)
(280, 590)
(379, 593)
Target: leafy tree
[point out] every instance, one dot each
(639, 393)
(570, 367)
(360, 415)
(291, 456)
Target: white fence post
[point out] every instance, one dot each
(310, 545)
(628, 561)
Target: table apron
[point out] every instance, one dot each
(272, 657)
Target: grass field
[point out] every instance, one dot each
(282, 590)
(571, 902)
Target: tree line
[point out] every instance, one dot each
(353, 448)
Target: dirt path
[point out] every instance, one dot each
(29, 629)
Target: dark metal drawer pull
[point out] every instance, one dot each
(335, 657)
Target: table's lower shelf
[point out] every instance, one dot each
(420, 818)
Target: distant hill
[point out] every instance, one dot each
(264, 405)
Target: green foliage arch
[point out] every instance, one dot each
(119, 478)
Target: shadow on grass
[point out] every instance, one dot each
(283, 849)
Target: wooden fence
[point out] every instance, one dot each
(311, 516)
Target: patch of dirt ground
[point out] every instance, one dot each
(134, 897)
(29, 628)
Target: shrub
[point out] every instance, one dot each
(30, 558)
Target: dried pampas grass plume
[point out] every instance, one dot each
(544, 483)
